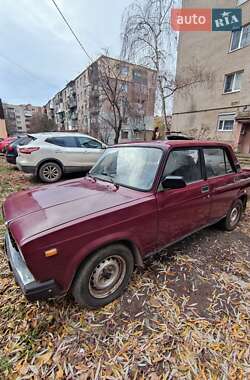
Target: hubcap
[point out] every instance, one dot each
(234, 216)
(107, 276)
(50, 172)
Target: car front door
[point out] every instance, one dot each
(89, 151)
(183, 211)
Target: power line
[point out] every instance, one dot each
(72, 31)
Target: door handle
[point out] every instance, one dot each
(205, 189)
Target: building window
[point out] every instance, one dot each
(232, 82)
(124, 87)
(240, 38)
(140, 76)
(124, 135)
(124, 70)
(226, 122)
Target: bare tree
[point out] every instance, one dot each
(41, 123)
(148, 38)
(113, 95)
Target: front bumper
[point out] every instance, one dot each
(32, 289)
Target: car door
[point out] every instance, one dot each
(65, 149)
(221, 181)
(89, 151)
(183, 211)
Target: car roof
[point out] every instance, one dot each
(58, 134)
(167, 144)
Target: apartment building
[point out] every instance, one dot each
(3, 131)
(18, 117)
(221, 109)
(83, 106)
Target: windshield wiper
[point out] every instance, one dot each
(91, 176)
(105, 174)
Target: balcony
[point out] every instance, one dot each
(60, 108)
(74, 116)
(27, 113)
(72, 102)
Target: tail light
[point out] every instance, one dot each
(28, 150)
(10, 148)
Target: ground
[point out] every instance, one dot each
(185, 316)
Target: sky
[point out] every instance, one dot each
(39, 55)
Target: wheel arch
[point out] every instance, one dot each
(55, 160)
(126, 242)
(244, 198)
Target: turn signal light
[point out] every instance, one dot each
(51, 252)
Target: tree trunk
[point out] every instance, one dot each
(118, 132)
(164, 110)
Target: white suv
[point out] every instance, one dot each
(49, 155)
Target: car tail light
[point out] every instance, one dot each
(10, 148)
(28, 150)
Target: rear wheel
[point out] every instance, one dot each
(50, 172)
(230, 222)
(104, 276)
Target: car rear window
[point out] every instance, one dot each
(23, 140)
(66, 141)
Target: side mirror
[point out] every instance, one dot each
(173, 182)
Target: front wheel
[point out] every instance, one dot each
(230, 222)
(104, 276)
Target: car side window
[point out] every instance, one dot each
(86, 142)
(184, 163)
(217, 162)
(66, 141)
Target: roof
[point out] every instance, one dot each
(166, 144)
(126, 62)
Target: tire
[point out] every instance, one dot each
(231, 221)
(91, 288)
(50, 172)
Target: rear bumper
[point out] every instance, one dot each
(27, 169)
(32, 289)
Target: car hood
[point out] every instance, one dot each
(34, 211)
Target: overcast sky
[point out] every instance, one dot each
(38, 54)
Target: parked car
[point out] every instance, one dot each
(11, 149)
(5, 142)
(178, 136)
(49, 155)
(85, 236)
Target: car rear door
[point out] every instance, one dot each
(183, 211)
(65, 149)
(89, 150)
(220, 174)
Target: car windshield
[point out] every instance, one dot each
(134, 167)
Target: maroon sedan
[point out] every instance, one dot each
(86, 235)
